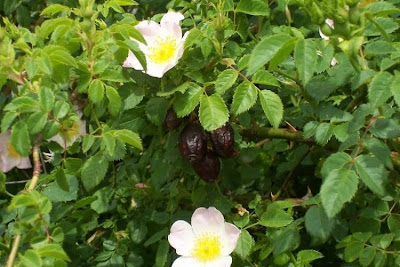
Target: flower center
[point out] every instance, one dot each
(12, 152)
(207, 247)
(73, 131)
(163, 49)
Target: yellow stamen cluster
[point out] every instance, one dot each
(207, 247)
(12, 152)
(163, 49)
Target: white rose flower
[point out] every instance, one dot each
(9, 157)
(164, 45)
(207, 242)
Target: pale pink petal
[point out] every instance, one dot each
(181, 46)
(7, 163)
(230, 238)
(221, 262)
(172, 17)
(82, 127)
(149, 29)
(330, 24)
(58, 139)
(132, 62)
(181, 238)
(170, 23)
(208, 220)
(157, 70)
(334, 62)
(25, 163)
(4, 141)
(187, 262)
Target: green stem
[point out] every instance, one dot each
(251, 225)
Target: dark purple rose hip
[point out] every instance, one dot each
(171, 120)
(193, 142)
(223, 141)
(208, 168)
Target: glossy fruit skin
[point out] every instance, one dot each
(223, 141)
(193, 142)
(208, 168)
(171, 120)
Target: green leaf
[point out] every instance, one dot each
(318, 224)
(114, 100)
(134, 99)
(87, 142)
(380, 151)
(335, 161)
(156, 110)
(283, 52)
(62, 180)
(109, 142)
(275, 218)
(323, 133)
(20, 138)
(265, 50)
(129, 137)
(272, 106)
(244, 98)
(187, 102)
(305, 57)
(156, 237)
(225, 81)
(8, 118)
(372, 173)
(213, 113)
(60, 55)
(353, 251)
(54, 9)
(287, 240)
(338, 188)
(367, 256)
(36, 122)
(96, 91)
(192, 37)
(385, 128)
(31, 258)
(127, 2)
(93, 171)
(253, 7)
(396, 89)
(244, 244)
(162, 253)
(265, 78)
(61, 109)
(379, 89)
(309, 255)
(382, 241)
(46, 98)
(53, 251)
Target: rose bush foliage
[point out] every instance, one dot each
(312, 92)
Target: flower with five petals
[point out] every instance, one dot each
(207, 242)
(164, 45)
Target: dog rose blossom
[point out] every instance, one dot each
(9, 157)
(164, 45)
(207, 242)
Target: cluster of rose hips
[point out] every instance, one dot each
(193, 146)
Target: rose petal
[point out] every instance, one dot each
(7, 163)
(59, 140)
(208, 220)
(181, 238)
(187, 262)
(172, 17)
(25, 163)
(4, 141)
(230, 238)
(132, 62)
(82, 127)
(221, 262)
(149, 29)
(158, 70)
